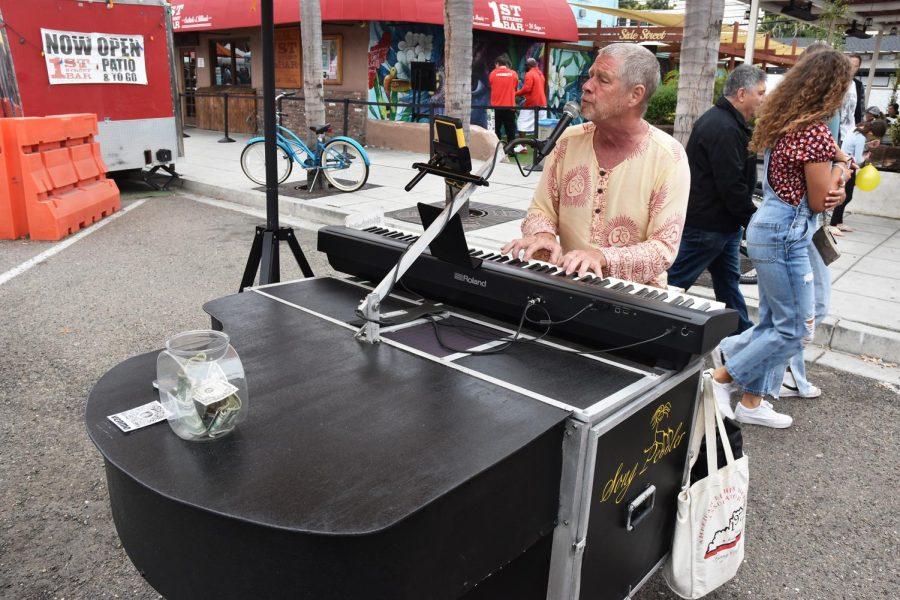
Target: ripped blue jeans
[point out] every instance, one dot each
(778, 243)
(822, 291)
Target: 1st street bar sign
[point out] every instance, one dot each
(75, 57)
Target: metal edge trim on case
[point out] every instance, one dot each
(565, 535)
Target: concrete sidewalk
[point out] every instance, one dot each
(865, 306)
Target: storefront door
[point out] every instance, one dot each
(189, 83)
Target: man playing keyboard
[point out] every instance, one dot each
(613, 196)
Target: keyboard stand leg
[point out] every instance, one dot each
(253, 259)
(268, 240)
(287, 234)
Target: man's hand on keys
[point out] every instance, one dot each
(583, 261)
(532, 244)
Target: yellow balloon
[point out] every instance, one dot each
(868, 178)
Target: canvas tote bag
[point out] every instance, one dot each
(708, 545)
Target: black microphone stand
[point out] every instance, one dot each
(264, 250)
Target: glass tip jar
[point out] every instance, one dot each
(202, 385)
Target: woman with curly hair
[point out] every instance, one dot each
(805, 172)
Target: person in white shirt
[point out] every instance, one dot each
(848, 108)
(865, 137)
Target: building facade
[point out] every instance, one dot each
(368, 57)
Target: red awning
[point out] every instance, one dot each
(544, 19)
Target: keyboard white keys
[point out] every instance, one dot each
(670, 295)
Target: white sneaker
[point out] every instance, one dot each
(718, 357)
(763, 415)
(722, 392)
(789, 391)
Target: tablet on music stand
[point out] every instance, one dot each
(450, 244)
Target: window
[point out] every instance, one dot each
(333, 59)
(230, 60)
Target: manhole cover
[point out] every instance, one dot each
(480, 215)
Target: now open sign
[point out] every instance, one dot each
(76, 57)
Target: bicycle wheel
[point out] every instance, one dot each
(344, 166)
(253, 163)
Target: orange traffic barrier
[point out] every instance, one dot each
(13, 222)
(55, 176)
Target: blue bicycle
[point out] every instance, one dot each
(340, 159)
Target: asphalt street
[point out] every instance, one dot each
(823, 507)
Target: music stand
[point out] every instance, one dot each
(450, 244)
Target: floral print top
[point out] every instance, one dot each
(633, 213)
(810, 144)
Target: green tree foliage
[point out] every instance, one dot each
(782, 27)
(828, 28)
(661, 108)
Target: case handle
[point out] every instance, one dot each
(640, 507)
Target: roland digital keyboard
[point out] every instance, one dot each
(661, 327)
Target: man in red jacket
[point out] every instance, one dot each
(504, 81)
(534, 92)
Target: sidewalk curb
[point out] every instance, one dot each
(254, 199)
(834, 333)
(840, 335)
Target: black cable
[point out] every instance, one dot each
(508, 342)
(549, 321)
(530, 168)
(471, 331)
(22, 38)
(640, 343)
(517, 339)
(493, 160)
(417, 295)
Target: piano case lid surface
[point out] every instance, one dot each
(578, 381)
(341, 438)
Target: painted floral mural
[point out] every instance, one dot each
(567, 72)
(393, 47)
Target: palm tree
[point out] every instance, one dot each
(698, 62)
(458, 59)
(313, 86)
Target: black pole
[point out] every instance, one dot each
(225, 139)
(270, 271)
(431, 126)
(346, 115)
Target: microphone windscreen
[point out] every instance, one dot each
(572, 109)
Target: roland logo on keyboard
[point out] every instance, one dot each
(470, 280)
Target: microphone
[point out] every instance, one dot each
(571, 111)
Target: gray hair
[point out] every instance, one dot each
(637, 66)
(744, 76)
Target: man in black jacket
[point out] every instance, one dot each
(723, 175)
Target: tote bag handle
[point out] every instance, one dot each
(708, 414)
